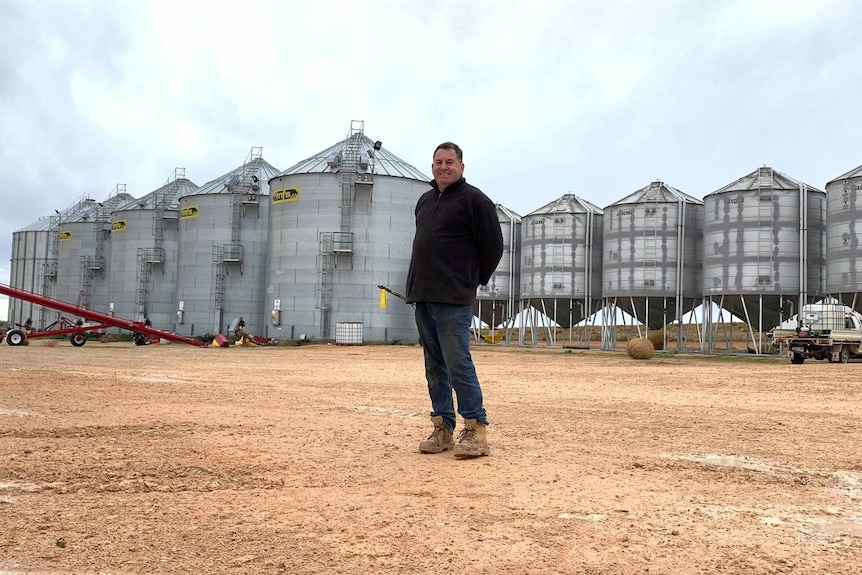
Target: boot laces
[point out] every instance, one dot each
(466, 434)
(437, 433)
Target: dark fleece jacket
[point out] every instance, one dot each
(457, 246)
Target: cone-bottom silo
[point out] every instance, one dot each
(843, 234)
(561, 251)
(651, 266)
(497, 303)
(764, 253)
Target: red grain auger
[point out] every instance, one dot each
(78, 330)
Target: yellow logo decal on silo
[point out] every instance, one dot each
(118, 226)
(285, 195)
(65, 235)
(189, 212)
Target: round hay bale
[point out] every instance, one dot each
(657, 339)
(640, 348)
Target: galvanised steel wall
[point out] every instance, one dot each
(556, 251)
(137, 232)
(29, 254)
(382, 224)
(506, 279)
(245, 283)
(77, 240)
(752, 242)
(844, 229)
(648, 245)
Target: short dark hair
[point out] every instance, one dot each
(451, 146)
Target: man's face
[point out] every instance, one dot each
(447, 168)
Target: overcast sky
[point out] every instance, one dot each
(592, 97)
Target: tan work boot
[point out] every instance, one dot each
(440, 439)
(473, 440)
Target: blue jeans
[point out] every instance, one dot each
(444, 332)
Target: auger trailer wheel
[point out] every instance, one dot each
(16, 337)
(78, 339)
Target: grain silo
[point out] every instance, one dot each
(561, 263)
(33, 268)
(651, 264)
(843, 214)
(143, 255)
(223, 232)
(764, 239)
(82, 268)
(497, 302)
(48, 258)
(342, 223)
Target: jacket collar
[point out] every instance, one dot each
(453, 186)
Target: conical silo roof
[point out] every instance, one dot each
(218, 185)
(567, 203)
(384, 162)
(657, 192)
(91, 210)
(764, 178)
(165, 197)
(505, 214)
(855, 173)
(41, 225)
(83, 209)
(116, 201)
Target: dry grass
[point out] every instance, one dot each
(640, 348)
(656, 338)
(733, 337)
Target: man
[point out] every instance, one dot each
(457, 246)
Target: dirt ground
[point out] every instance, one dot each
(174, 459)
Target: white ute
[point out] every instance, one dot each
(826, 331)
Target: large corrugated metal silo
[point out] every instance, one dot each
(764, 249)
(651, 264)
(79, 235)
(843, 214)
(143, 255)
(342, 223)
(223, 234)
(561, 259)
(33, 268)
(48, 257)
(82, 268)
(498, 301)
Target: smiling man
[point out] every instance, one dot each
(457, 246)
